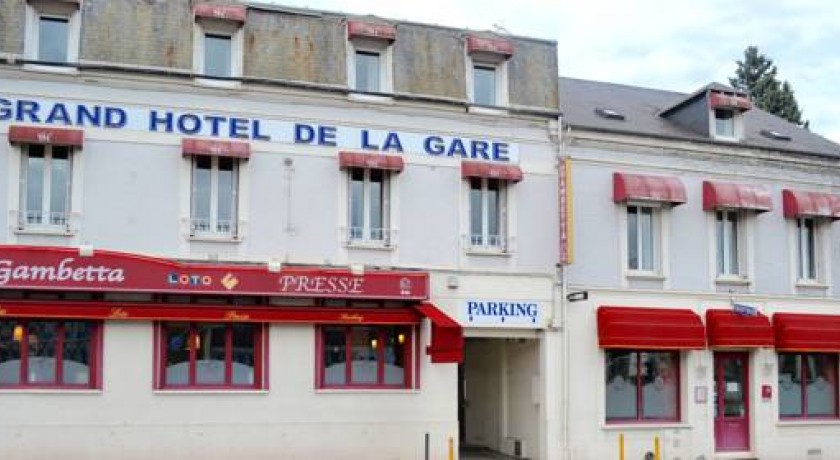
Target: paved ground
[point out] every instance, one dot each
(483, 453)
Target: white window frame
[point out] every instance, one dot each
(385, 50)
(51, 9)
(207, 26)
(501, 244)
(500, 64)
(746, 249)
(213, 232)
(737, 125)
(367, 232)
(23, 217)
(821, 256)
(660, 243)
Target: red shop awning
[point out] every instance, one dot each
(235, 13)
(650, 328)
(665, 189)
(46, 136)
(375, 30)
(370, 161)
(191, 146)
(197, 312)
(491, 45)
(810, 204)
(447, 336)
(512, 173)
(726, 329)
(803, 332)
(735, 196)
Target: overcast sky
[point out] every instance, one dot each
(678, 45)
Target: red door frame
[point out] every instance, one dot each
(724, 439)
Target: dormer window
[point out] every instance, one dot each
(487, 82)
(724, 123)
(369, 58)
(52, 34)
(218, 43)
(727, 109)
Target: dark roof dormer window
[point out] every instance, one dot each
(726, 108)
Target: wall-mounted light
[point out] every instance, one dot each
(374, 343)
(85, 250)
(452, 282)
(357, 269)
(401, 338)
(17, 333)
(577, 296)
(275, 265)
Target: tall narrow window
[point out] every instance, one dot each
(53, 36)
(641, 238)
(484, 85)
(366, 356)
(368, 69)
(369, 199)
(214, 195)
(807, 248)
(48, 353)
(217, 55)
(220, 355)
(727, 243)
(724, 123)
(808, 385)
(45, 189)
(487, 210)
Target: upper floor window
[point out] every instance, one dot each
(369, 56)
(642, 238)
(211, 355)
(488, 210)
(46, 181)
(217, 55)
(724, 123)
(218, 42)
(484, 85)
(727, 227)
(369, 205)
(49, 353)
(368, 70)
(807, 248)
(642, 385)
(808, 385)
(365, 356)
(487, 69)
(52, 35)
(215, 185)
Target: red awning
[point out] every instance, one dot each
(492, 45)
(650, 328)
(190, 146)
(195, 312)
(739, 196)
(803, 332)
(512, 173)
(665, 189)
(370, 161)
(235, 13)
(729, 101)
(375, 30)
(447, 336)
(726, 329)
(41, 135)
(810, 204)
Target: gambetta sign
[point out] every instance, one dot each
(34, 267)
(75, 114)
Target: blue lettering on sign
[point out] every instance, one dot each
(5, 109)
(457, 147)
(366, 144)
(433, 145)
(392, 142)
(326, 136)
(155, 120)
(115, 117)
(304, 134)
(517, 312)
(500, 151)
(58, 114)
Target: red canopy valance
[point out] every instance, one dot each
(726, 329)
(650, 328)
(636, 187)
(447, 335)
(718, 195)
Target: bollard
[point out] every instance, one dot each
(427, 447)
(621, 446)
(451, 448)
(657, 455)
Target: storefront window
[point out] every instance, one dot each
(36, 353)
(642, 385)
(215, 355)
(365, 356)
(808, 385)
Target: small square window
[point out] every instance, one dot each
(724, 123)
(217, 55)
(215, 185)
(369, 203)
(368, 70)
(484, 85)
(488, 213)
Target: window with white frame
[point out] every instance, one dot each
(217, 55)
(217, 50)
(724, 123)
(369, 203)
(642, 238)
(807, 248)
(488, 212)
(368, 71)
(728, 225)
(484, 85)
(369, 65)
(46, 179)
(215, 183)
(52, 35)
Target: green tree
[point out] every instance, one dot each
(757, 75)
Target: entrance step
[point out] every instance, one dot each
(483, 453)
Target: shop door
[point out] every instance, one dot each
(732, 402)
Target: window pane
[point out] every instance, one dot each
(734, 397)
(396, 341)
(10, 352)
(660, 385)
(367, 71)
(210, 354)
(52, 39)
(724, 123)
(43, 341)
(621, 380)
(484, 85)
(494, 209)
(647, 238)
(821, 385)
(476, 220)
(377, 199)
(790, 385)
(217, 52)
(201, 193)
(76, 358)
(365, 348)
(35, 184)
(721, 251)
(244, 358)
(176, 336)
(732, 230)
(59, 185)
(810, 249)
(335, 356)
(357, 203)
(226, 209)
(633, 237)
